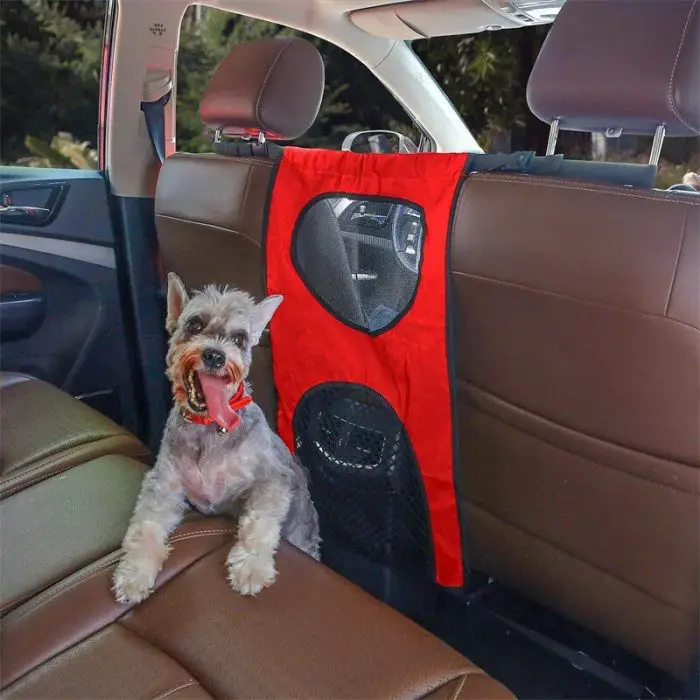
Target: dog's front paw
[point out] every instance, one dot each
(134, 578)
(250, 572)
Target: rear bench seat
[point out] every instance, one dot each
(62, 635)
(577, 315)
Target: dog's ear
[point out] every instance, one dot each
(262, 313)
(177, 299)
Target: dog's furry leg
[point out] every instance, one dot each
(158, 511)
(251, 561)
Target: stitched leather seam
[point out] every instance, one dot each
(79, 441)
(458, 690)
(174, 690)
(684, 228)
(114, 558)
(459, 687)
(569, 297)
(58, 588)
(212, 226)
(69, 449)
(537, 181)
(152, 642)
(14, 603)
(27, 482)
(577, 557)
(9, 605)
(57, 592)
(266, 80)
(200, 533)
(441, 682)
(676, 489)
(672, 80)
(206, 157)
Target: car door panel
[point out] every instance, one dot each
(61, 309)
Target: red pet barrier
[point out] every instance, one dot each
(357, 245)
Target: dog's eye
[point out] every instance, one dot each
(239, 339)
(195, 325)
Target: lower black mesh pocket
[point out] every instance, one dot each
(364, 477)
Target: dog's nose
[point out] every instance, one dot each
(213, 359)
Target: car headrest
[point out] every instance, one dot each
(630, 65)
(273, 86)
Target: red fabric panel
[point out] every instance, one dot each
(407, 364)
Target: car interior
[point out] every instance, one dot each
(575, 324)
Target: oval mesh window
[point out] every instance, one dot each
(360, 257)
(364, 478)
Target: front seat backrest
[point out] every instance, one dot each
(578, 326)
(210, 208)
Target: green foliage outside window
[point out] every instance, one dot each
(50, 53)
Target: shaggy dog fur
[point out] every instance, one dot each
(247, 469)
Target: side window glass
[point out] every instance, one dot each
(354, 100)
(50, 55)
(485, 77)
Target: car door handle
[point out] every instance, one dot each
(26, 216)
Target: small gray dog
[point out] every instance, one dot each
(218, 451)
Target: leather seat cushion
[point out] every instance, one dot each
(135, 670)
(312, 634)
(62, 524)
(45, 431)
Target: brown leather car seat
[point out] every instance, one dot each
(312, 634)
(62, 634)
(45, 431)
(58, 460)
(578, 312)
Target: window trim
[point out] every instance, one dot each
(311, 289)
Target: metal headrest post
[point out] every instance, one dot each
(657, 143)
(656, 146)
(245, 146)
(219, 137)
(553, 136)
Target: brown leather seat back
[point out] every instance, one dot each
(578, 412)
(210, 208)
(578, 320)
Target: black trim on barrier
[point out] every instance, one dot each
(451, 349)
(266, 222)
(398, 430)
(368, 198)
(248, 149)
(264, 287)
(528, 163)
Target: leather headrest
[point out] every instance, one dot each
(273, 85)
(621, 64)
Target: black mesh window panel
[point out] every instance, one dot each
(360, 257)
(364, 477)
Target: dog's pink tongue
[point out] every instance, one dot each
(217, 392)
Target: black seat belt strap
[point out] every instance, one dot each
(154, 112)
